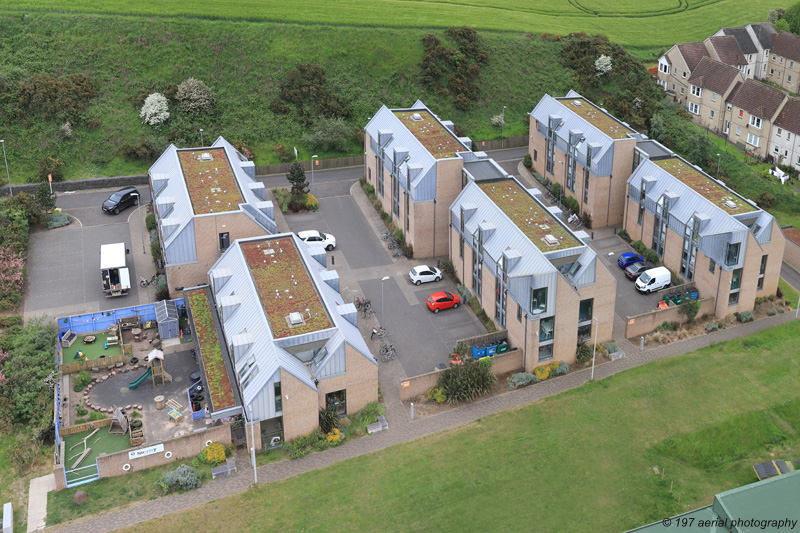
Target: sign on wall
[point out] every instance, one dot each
(135, 454)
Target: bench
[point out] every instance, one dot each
(224, 470)
(111, 341)
(68, 338)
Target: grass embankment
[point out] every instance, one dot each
(632, 23)
(245, 63)
(579, 461)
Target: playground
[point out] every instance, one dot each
(95, 347)
(96, 441)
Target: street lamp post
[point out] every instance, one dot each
(201, 136)
(384, 278)
(253, 445)
(141, 219)
(312, 173)
(503, 129)
(718, 163)
(594, 350)
(10, 191)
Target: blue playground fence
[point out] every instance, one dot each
(99, 321)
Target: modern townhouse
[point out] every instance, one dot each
(785, 138)
(706, 233)
(277, 341)
(203, 200)
(710, 86)
(585, 149)
(538, 279)
(752, 108)
(675, 68)
(725, 49)
(415, 161)
(783, 68)
(755, 42)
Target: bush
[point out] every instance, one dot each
(312, 204)
(436, 394)
(45, 199)
(690, 309)
(213, 454)
(398, 236)
(561, 370)
(667, 326)
(161, 282)
(155, 250)
(57, 220)
(555, 188)
(624, 234)
(182, 478)
(527, 161)
(195, 96)
(328, 419)
(612, 347)
(244, 149)
(447, 267)
(330, 135)
(282, 153)
(468, 381)
(745, 316)
(545, 371)
(639, 246)
(572, 204)
(586, 220)
(82, 380)
(283, 197)
(60, 98)
(781, 310)
(652, 256)
(461, 349)
(766, 199)
(50, 166)
(6, 321)
(522, 379)
(162, 294)
(369, 189)
(155, 110)
(772, 312)
(150, 222)
(583, 353)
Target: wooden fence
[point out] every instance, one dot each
(105, 362)
(80, 428)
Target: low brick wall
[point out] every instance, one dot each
(419, 385)
(79, 428)
(182, 448)
(81, 185)
(638, 325)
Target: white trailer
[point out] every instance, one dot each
(113, 269)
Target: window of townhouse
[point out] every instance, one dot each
(546, 334)
(538, 300)
(713, 97)
(738, 131)
(696, 91)
(762, 270)
(684, 74)
(791, 63)
(732, 253)
(778, 133)
(736, 282)
(711, 114)
(585, 319)
(753, 140)
(338, 401)
(683, 90)
(224, 241)
(694, 108)
(278, 397)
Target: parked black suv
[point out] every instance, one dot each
(121, 199)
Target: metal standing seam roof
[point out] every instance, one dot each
(168, 164)
(231, 275)
(166, 311)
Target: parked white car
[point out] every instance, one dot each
(424, 274)
(318, 238)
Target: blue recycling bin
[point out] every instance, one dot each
(478, 351)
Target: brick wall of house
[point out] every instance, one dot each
(253, 436)
(791, 253)
(360, 382)
(300, 407)
(207, 230)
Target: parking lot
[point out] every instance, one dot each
(63, 267)
(422, 339)
(630, 302)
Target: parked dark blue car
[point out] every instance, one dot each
(629, 258)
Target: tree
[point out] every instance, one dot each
(195, 96)
(603, 64)
(155, 109)
(766, 199)
(782, 25)
(330, 135)
(45, 199)
(297, 177)
(658, 130)
(700, 149)
(792, 17)
(776, 14)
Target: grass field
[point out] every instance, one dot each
(579, 461)
(630, 22)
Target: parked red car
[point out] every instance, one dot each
(442, 300)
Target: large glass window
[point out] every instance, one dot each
(585, 310)
(736, 278)
(584, 332)
(538, 300)
(732, 254)
(545, 352)
(546, 327)
(337, 400)
(278, 397)
(762, 270)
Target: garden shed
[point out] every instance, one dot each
(167, 318)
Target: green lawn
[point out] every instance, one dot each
(580, 461)
(651, 24)
(789, 292)
(100, 442)
(93, 350)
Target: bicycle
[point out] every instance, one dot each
(145, 282)
(379, 331)
(388, 353)
(361, 302)
(367, 312)
(398, 253)
(387, 236)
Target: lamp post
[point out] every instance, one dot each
(201, 136)
(594, 349)
(718, 163)
(384, 278)
(253, 446)
(10, 191)
(312, 173)
(141, 220)
(503, 129)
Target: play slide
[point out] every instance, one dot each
(140, 379)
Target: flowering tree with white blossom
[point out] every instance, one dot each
(155, 110)
(603, 64)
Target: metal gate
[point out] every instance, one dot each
(82, 475)
(238, 437)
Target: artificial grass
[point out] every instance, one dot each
(100, 442)
(584, 460)
(92, 351)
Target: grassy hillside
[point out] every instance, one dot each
(245, 63)
(589, 459)
(632, 23)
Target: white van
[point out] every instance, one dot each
(653, 280)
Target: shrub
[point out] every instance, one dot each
(690, 309)
(282, 153)
(61, 98)
(436, 394)
(312, 204)
(522, 379)
(586, 219)
(625, 236)
(155, 250)
(282, 196)
(369, 189)
(705, 316)
(213, 454)
(297, 177)
(162, 294)
(745, 316)
(328, 419)
(639, 246)
(398, 236)
(555, 188)
(161, 282)
(468, 381)
(527, 161)
(766, 199)
(652, 256)
(244, 149)
(667, 326)
(612, 347)
(81, 410)
(603, 64)
(583, 353)
(545, 371)
(57, 220)
(50, 166)
(447, 267)
(153, 236)
(6, 321)
(772, 312)
(498, 121)
(182, 478)
(195, 96)
(561, 370)
(330, 135)
(82, 380)
(150, 222)
(333, 436)
(155, 110)
(781, 310)
(572, 204)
